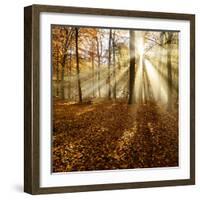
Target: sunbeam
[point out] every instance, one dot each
(88, 89)
(157, 82)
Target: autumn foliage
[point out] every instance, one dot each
(113, 136)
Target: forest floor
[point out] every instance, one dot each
(113, 135)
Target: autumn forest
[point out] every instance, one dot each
(114, 98)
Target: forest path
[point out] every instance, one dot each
(113, 135)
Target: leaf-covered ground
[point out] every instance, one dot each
(113, 135)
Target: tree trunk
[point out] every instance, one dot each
(77, 67)
(57, 75)
(70, 73)
(93, 80)
(142, 89)
(109, 63)
(114, 68)
(62, 80)
(160, 65)
(131, 99)
(169, 72)
(63, 66)
(98, 67)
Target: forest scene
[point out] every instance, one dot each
(114, 98)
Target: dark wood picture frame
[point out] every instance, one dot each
(32, 93)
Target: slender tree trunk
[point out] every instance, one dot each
(77, 67)
(131, 99)
(93, 80)
(62, 80)
(145, 85)
(70, 73)
(177, 89)
(114, 68)
(160, 65)
(57, 75)
(142, 89)
(98, 67)
(64, 62)
(109, 63)
(127, 85)
(63, 66)
(169, 72)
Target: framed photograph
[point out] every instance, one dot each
(109, 99)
